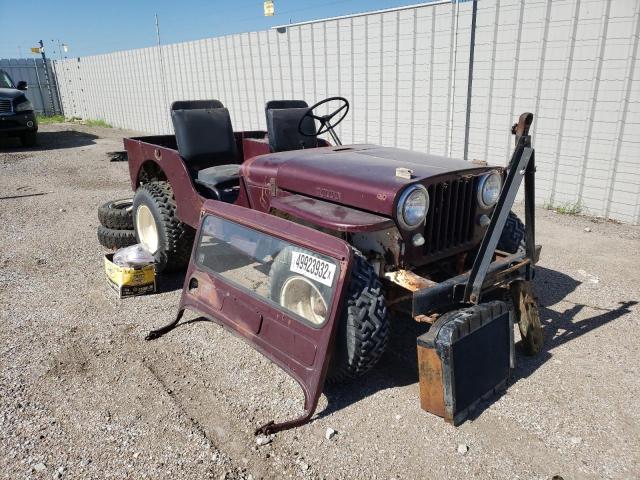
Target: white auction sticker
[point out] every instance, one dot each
(313, 267)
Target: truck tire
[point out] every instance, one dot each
(115, 239)
(512, 237)
(158, 229)
(363, 330)
(29, 139)
(117, 214)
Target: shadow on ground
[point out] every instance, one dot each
(169, 282)
(398, 366)
(49, 141)
(558, 325)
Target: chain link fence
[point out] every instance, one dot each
(43, 88)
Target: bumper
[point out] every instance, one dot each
(420, 296)
(18, 123)
(502, 271)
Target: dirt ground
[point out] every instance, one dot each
(82, 395)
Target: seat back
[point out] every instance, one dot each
(191, 104)
(283, 117)
(204, 133)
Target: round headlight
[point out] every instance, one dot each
(413, 206)
(489, 189)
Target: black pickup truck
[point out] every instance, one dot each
(17, 116)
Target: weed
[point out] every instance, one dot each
(45, 119)
(95, 123)
(566, 208)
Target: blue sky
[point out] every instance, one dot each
(91, 27)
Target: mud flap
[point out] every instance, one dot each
(228, 282)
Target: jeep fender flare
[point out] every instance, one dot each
(160, 164)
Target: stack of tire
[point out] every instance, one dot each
(116, 224)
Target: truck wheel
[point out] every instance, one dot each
(29, 139)
(158, 229)
(115, 239)
(527, 316)
(512, 238)
(363, 329)
(117, 214)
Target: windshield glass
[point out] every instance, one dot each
(296, 279)
(5, 81)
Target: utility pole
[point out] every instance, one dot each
(47, 77)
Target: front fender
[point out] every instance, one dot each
(330, 216)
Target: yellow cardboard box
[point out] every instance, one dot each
(127, 281)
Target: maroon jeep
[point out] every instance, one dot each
(282, 233)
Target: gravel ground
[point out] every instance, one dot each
(83, 396)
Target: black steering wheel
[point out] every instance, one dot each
(326, 124)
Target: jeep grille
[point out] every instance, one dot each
(5, 105)
(450, 220)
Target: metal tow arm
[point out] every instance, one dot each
(522, 164)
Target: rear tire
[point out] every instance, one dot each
(117, 214)
(170, 240)
(115, 239)
(29, 139)
(512, 237)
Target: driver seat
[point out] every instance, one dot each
(283, 117)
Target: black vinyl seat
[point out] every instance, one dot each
(205, 140)
(283, 117)
(223, 181)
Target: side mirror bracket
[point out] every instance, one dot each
(22, 85)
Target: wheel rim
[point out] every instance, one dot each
(146, 229)
(529, 324)
(302, 297)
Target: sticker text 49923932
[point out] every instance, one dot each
(313, 267)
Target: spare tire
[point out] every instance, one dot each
(117, 214)
(363, 327)
(115, 239)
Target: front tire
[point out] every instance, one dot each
(158, 229)
(363, 330)
(512, 237)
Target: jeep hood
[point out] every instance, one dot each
(361, 176)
